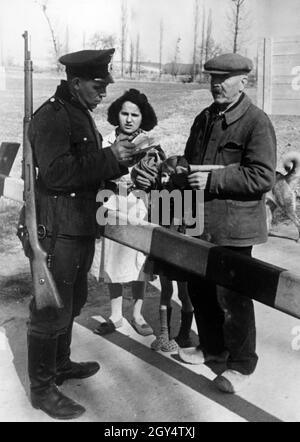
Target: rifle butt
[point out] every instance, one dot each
(45, 291)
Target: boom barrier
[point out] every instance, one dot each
(271, 285)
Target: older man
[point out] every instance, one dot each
(71, 166)
(233, 133)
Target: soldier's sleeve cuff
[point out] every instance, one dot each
(118, 168)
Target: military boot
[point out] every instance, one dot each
(44, 393)
(67, 369)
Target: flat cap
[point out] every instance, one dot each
(90, 64)
(229, 64)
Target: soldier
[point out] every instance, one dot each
(233, 133)
(71, 168)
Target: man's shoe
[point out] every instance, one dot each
(76, 370)
(196, 356)
(192, 355)
(231, 381)
(184, 342)
(55, 404)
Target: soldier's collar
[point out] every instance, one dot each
(63, 92)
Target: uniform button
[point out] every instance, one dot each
(72, 195)
(52, 100)
(85, 139)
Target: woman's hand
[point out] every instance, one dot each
(142, 183)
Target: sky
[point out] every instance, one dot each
(85, 17)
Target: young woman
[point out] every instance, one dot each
(169, 180)
(116, 264)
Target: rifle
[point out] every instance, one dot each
(45, 291)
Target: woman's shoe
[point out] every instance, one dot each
(105, 328)
(142, 329)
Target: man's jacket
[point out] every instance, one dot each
(71, 165)
(243, 140)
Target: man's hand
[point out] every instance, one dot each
(122, 149)
(198, 180)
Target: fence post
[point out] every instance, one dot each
(264, 81)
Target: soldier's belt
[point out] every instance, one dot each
(79, 194)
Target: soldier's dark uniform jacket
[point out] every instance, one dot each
(71, 165)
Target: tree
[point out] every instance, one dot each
(67, 40)
(123, 34)
(83, 39)
(131, 58)
(102, 41)
(209, 40)
(161, 39)
(175, 66)
(196, 29)
(239, 23)
(202, 45)
(137, 55)
(54, 37)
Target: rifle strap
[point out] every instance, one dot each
(54, 235)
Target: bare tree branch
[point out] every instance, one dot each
(175, 66)
(208, 42)
(161, 39)
(124, 17)
(131, 58)
(102, 41)
(202, 45)
(239, 20)
(196, 30)
(55, 41)
(137, 55)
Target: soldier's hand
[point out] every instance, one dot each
(122, 149)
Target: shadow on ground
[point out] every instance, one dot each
(15, 296)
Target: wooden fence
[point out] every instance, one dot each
(278, 90)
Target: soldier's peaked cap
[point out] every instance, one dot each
(90, 64)
(229, 64)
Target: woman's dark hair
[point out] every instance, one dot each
(149, 119)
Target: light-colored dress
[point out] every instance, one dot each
(114, 262)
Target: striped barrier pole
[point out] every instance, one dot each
(9, 187)
(273, 286)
